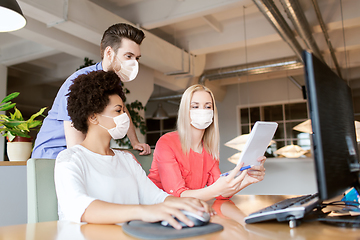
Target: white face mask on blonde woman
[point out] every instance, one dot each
(201, 110)
(201, 118)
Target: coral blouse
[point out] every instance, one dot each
(175, 172)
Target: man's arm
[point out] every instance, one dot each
(143, 147)
(72, 136)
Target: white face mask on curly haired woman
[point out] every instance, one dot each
(122, 126)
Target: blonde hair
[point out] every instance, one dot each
(211, 136)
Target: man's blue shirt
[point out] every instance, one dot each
(51, 138)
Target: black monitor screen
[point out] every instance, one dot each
(332, 118)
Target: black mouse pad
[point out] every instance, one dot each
(147, 230)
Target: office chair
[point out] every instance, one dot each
(42, 200)
(41, 195)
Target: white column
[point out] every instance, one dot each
(141, 89)
(3, 86)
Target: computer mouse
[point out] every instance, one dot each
(196, 219)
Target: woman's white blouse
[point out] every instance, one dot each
(82, 176)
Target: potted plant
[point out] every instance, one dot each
(16, 129)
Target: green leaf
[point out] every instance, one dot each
(7, 106)
(10, 96)
(12, 124)
(23, 127)
(10, 136)
(17, 115)
(35, 115)
(34, 124)
(4, 118)
(18, 133)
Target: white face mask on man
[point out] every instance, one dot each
(122, 126)
(201, 118)
(129, 70)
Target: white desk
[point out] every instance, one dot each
(230, 215)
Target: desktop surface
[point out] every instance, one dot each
(230, 214)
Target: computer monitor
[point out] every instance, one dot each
(334, 143)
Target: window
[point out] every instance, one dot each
(286, 115)
(356, 105)
(157, 128)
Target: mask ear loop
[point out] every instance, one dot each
(102, 125)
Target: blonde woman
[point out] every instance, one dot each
(187, 160)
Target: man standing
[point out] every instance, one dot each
(120, 51)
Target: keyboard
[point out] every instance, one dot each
(286, 210)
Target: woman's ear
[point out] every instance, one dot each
(93, 119)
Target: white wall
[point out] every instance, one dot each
(283, 176)
(249, 94)
(141, 89)
(13, 197)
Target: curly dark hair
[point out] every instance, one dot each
(114, 34)
(89, 94)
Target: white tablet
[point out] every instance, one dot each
(257, 142)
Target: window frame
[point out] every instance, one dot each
(286, 140)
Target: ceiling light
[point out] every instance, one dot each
(234, 158)
(160, 113)
(291, 151)
(238, 143)
(306, 128)
(11, 16)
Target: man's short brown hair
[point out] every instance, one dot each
(114, 34)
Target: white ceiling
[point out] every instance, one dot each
(60, 33)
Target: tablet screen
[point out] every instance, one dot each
(257, 143)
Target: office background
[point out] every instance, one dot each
(185, 40)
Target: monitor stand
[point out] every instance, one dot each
(342, 221)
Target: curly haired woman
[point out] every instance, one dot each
(97, 184)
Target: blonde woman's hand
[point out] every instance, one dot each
(232, 184)
(255, 174)
(229, 185)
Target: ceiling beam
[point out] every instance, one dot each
(159, 13)
(213, 23)
(24, 51)
(331, 13)
(30, 74)
(259, 77)
(92, 22)
(54, 38)
(257, 53)
(170, 82)
(258, 31)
